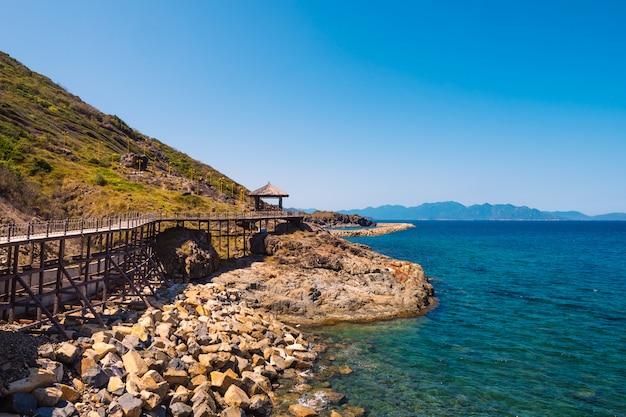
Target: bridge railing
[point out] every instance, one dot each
(26, 231)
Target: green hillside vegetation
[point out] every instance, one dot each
(60, 157)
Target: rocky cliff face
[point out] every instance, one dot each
(308, 276)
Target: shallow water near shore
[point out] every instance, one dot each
(531, 321)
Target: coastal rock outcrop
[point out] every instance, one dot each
(310, 276)
(334, 219)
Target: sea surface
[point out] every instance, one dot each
(531, 321)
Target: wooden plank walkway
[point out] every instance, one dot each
(36, 231)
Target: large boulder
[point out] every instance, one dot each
(187, 254)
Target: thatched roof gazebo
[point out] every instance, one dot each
(268, 191)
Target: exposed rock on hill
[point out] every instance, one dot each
(312, 277)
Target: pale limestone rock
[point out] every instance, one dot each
(101, 336)
(46, 351)
(164, 330)
(203, 395)
(281, 363)
(140, 332)
(152, 381)
(242, 364)
(116, 385)
(307, 356)
(295, 347)
(122, 330)
(146, 322)
(221, 381)
(257, 360)
(37, 378)
(181, 395)
(53, 366)
(236, 397)
(176, 376)
(134, 363)
(132, 385)
(78, 384)
(89, 360)
(68, 393)
(301, 411)
(233, 412)
(67, 353)
(196, 369)
(254, 380)
(102, 349)
(151, 399)
(48, 396)
(198, 380)
(113, 365)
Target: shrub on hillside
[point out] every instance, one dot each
(40, 165)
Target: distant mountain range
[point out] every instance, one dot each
(451, 210)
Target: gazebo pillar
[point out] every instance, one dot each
(268, 191)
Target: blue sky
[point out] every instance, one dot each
(349, 104)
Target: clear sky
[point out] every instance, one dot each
(349, 104)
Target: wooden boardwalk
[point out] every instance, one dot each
(53, 269)
(35, 231)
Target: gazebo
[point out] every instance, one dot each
(268, 191)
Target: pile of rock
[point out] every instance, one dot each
(205, 354)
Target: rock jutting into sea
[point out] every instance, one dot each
(379, 229)
(308, 276)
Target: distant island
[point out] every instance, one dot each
(451, 210)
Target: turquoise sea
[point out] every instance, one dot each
(531, 321)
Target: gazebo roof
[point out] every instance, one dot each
(269, 190)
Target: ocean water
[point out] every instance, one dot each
(531, 321)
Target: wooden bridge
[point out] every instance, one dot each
(50, 271)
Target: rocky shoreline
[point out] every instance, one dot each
(222, 347)
(379, 229)
(204, 354)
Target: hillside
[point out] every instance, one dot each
(61, 157)
(451, 210)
